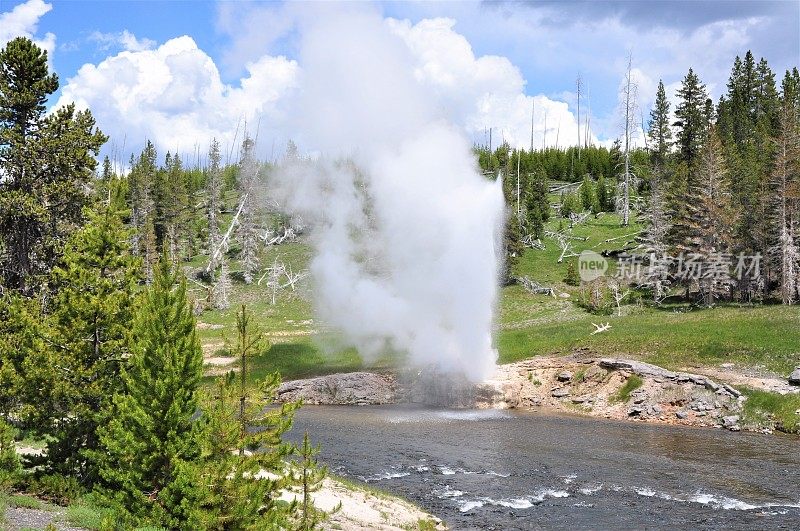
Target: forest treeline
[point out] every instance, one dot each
(99, 354)
(716, 181)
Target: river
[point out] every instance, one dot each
(527, 470)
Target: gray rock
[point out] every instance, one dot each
(681, 414)
(794, 378)
(730, 421)
(564, 376)
(635, 411)
(732, 390)
(561, 392)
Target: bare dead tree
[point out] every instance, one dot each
(248, 232)
(214, 192)
(784, 203)
(628, 101)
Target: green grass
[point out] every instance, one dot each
(633, 383)
(27, 502)
(86, 515)
(763, 407)
(674, 336)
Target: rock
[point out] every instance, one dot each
(681, 414)
(345, 388)
(730, 421)
(564, 376)
(561, 392)
(794, 378)
(656, 410)
(701, 414)
(635, 411)
(732, 390)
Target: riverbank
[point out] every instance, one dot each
(611, 388)
(351, 506)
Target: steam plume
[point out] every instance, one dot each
(405, 229)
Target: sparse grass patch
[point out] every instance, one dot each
(86, 515)
(633, 383)
(580, 376)
(764, 408)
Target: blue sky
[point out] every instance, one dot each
(526, 53)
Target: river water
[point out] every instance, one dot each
(527, 470)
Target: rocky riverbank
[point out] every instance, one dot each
(602, 387)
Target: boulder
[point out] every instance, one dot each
(561, 392)
(564, 376)
(794, 378)
(730, 421)
(681, 414)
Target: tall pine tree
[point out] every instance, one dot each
(89, 324)
(150, 443)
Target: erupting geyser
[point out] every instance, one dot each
(406, 231)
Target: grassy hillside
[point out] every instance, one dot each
(528, 325)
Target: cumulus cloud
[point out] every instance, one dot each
(174, 96)
(483, 92)
(23, 21)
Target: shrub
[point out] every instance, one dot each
(572, 278)
(10, 467)
(57, 488)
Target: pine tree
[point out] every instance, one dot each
(537, 206)
(248, 229)
(142, 183)
(46, 162)
(89, 324)
(310, 475)
(660, 133)
(587, 193)
(150, 442)
(691, 119)
(242, 442)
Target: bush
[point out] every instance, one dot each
(56, 488)
(572, 278)
(596, 298)
(10, 466)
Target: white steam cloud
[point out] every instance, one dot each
(405, 229)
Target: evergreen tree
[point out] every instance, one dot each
(150, 442)
(587, 194)
(692, 120)
(142, 183)
(46, 162)
(310, 475)
(242, 442)
(660, 133)
(537, 206)
(89, 323)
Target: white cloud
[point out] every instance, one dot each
(173, 95)
(23, 21)
(483, 92)
(124, 40)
